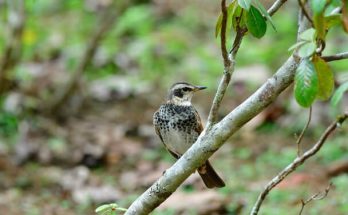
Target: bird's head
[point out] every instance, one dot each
(181, 93)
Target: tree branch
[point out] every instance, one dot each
(229, 60)
(228, 71)
(339, 56)
(224, 53)
(229, 63)
(298, 142)
(275, 7)
(305, 11)
(317, 196)
(296, 163)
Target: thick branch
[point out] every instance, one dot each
(339, 56)
(296, 163)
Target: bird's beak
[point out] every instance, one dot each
(197, 88)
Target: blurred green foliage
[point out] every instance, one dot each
(155, 45)
(162, 47)
(8, 123)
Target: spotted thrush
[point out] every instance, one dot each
(178, 125)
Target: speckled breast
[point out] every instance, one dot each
(177, 126)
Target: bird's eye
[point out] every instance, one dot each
(185, 89)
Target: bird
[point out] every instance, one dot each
(178, 125)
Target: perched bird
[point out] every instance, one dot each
(178, 125)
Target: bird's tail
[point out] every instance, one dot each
(210, 178)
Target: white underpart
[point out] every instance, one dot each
(177, 141)
(186, 103)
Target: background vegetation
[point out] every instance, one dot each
(67, 146)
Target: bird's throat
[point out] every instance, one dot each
(180, 101)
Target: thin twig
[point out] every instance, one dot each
(275, 7)
(224, 83)
(229, 60)
(228, 67)
(224, 53)
(339, 56)
(305, 11)
(296, 163)
(317, 196)
(298, 142)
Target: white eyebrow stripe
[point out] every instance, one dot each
(180, 86)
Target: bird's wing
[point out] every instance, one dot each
(199, 126)
(158, 132)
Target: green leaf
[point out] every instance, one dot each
(265, 13)
(306, 83)
(333, 20)
(103, 209)
(238, 17)
(337, 96)
(230, 12)
(325, 78)
(218, 26)
(256, 23)
(296, 45)
(245, 4)
(308, 35)
(307, 49)
(106, 209)
(318, 6)
(319, 24)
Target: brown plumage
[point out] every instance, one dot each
(178, 125)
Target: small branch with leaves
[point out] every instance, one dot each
(239, 11)
(229, 64)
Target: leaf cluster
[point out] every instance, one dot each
(109, 209)
(314, 78)
(246, 14)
